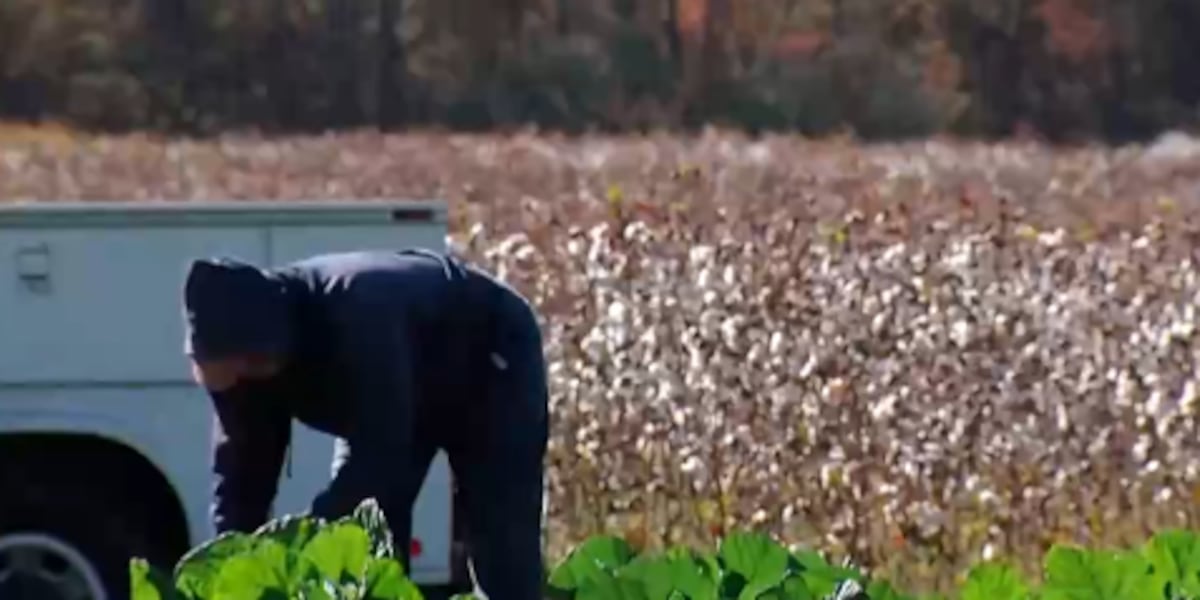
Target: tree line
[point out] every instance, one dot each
(1066, 69)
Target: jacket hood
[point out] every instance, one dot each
(232, 308)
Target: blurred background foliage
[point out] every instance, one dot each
(1062, 69)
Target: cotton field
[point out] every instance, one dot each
(915, 355)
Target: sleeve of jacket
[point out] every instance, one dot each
(251, 433)
(373, 354)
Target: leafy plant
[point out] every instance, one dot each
(298, 557)
(1166, 567)
(753, 566)
(994, 581)
(295, 556)
(745, 566)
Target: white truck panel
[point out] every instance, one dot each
(91, 332)
(101, 305)
(295, 242)
(169, 425)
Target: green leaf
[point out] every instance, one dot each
(821, 577)
(758, 559)
(292, 531)
(149, 583)
(676, 571)
(793, 588)
(1174, 557)
(370, 517)
(248, 577)
(882, 590)
(280, 564)
(994, 581)
(196, 572)
(317, 589)
(1078, 574)
(599, 555)
(339, 551)
(385, 580)
(603, 585)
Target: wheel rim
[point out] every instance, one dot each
(43, 566)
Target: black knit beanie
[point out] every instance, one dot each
(232, 308)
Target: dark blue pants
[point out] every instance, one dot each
(495, 437)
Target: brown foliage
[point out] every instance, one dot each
(1072, 32)
(884, 69)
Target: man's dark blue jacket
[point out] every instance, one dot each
(365, 335)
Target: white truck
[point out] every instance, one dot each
(104, 438)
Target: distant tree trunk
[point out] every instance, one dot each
(342, 64)
(392, 66)
(173, 40)
(671, 33)
(1184, 47)
(995, 67)
(690, 18)
(282, 88)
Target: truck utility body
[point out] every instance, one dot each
(102, 430)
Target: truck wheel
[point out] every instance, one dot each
(59, 542)
(39, 565)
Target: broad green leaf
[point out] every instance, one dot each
(758, 559)
(732, 585)
(882, 590)
(278, 561)
(598, 555)
(710, 566)
(793, 588)
(248, 577)
(603, 585)
(300, 570)
(148, 583)
(317, 589)
(994, 581)
(676, 571)
(821, 577)
(1078, 574)
(263, 565)
(385, 580)
(339, 551)
(292, 531)
(197, 570)
(1174, 557)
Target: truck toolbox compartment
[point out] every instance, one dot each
(90, 292)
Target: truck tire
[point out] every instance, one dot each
(59, 540)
